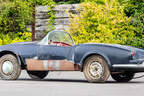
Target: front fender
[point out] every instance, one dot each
(4, 52)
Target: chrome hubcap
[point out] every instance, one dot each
(96, 70)
(7, 67)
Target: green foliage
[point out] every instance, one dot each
(77, 1)
(51, 21)
(135, 9)
(14, 16)
(41, 2)
(68, 1)
(14, 38)
(50, 4)
(96, 1)
(103, 23)
(51, 13)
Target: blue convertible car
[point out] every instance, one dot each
(57, 52)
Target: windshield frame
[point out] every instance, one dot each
(44, 41)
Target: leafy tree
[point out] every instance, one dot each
(96, 1)
(33, 4)
(14, 16)
(67, 1)
(102, 23)
(135, 9)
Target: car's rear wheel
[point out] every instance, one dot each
(37, 75)
(96, 69)
(9, 67)
(123, 77)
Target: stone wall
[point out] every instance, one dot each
(61, 20)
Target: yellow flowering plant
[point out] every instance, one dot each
(11, 38)
(102, 23)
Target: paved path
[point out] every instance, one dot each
(69, 84)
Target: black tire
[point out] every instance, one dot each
(16, 68)
(104, 72)
(37, 75)
(123, 77)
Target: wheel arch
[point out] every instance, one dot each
(20, 61)
(94, 53)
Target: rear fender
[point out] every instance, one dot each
(95, 53)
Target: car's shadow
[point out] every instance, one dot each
(79, 81)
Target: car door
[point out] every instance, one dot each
(56, 57)
(53, 52)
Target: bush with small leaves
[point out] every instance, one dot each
(102, 23)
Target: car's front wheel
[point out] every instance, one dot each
(123, 77)
(9, 67)
(37, 75)
(96, 69)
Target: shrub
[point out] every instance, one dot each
(11, 38)
(67, 1)
(102, 23)
(135, 9)
(50, 4)
(96, 1)
(14, 16)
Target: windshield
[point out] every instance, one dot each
(57, 38)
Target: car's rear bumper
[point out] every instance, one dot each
(139, 67)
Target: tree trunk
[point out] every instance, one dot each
(33, 23)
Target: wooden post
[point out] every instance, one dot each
(33, 22)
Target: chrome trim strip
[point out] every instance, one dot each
(128, 65)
